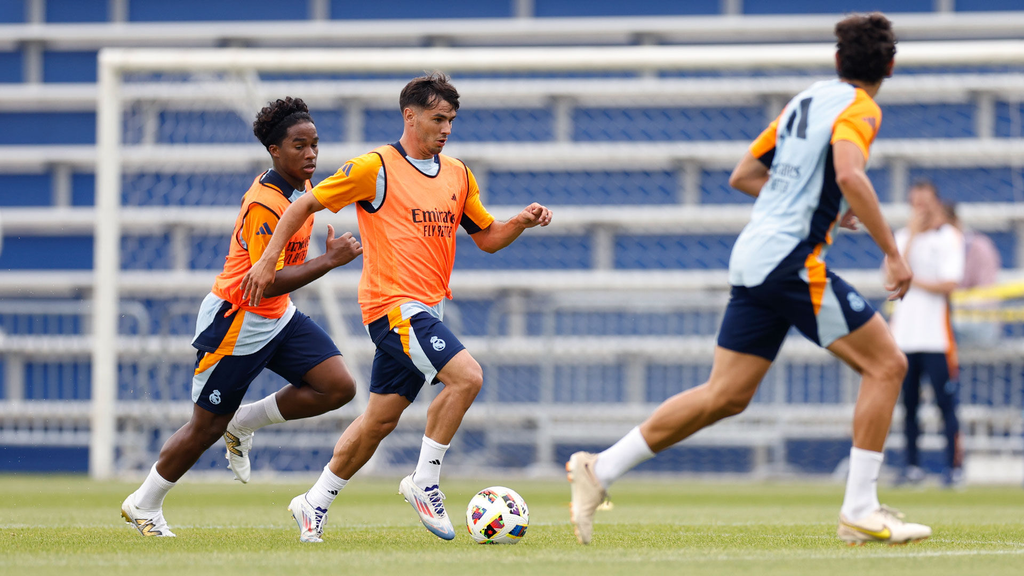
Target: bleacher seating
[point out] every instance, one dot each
(48, 133)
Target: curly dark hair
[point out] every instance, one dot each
(274, 120)
(866, 45)
(425, 91)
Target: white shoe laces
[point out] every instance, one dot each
(892, 513)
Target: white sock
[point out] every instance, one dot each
(259, 414)
(622, 457)
(326, 489)
(428, 469)
(862, 485)
(150, 496)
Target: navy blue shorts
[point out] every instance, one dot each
(221, 381)
(758, 318)
(410, 354)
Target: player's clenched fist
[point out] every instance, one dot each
(535, 215)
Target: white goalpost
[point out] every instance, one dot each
(140, 154)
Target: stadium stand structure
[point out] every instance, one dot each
(580, 328)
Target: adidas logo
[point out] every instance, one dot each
(265, 229)
(435, 462)
(456, 199)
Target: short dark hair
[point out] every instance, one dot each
(927, 184)
(866, 45)
(274, 120)
(426, 91)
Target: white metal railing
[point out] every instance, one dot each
(920, 54)
(522, 92)
(502, 31)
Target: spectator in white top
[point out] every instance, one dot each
(921, 324)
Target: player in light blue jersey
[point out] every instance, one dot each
(807, 171)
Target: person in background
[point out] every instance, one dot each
(981, 268)
(922, 327)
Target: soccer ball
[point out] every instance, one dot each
(497, 515)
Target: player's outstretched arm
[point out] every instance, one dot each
(500, 234)
(263, 271)
(849, 163)
(749, 175)
(339, 251)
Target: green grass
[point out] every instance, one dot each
(70, 525)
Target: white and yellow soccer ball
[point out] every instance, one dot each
(497, 515)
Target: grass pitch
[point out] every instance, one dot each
(70, 525)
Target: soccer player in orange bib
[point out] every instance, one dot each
(237, 340)
(807, 171)
(410, 199)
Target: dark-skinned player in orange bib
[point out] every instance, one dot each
(410, 200)
(236, 340)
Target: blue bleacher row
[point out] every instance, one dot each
(506, 187)
(15, 11)
(639, 123)
(469, 317)
(548, 252)
(807, 456)
(483, 317)
(515, 383)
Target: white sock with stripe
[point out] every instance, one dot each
(150, 496)
(622, 457)
(861, 496)
(325, 490)
(259, 414)
(428, 468)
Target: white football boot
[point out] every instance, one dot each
(311, 520)
(586, 494)
(429, 504)
(882, 525)
(238, 442)
(147, 522)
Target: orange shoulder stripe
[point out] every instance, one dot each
(765, 142)
(859, 123)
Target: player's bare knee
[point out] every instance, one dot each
(724, 405)
(377, 430)
(891, 368)
(469, 380)
(902, 366)
(474, 380)
(342, 392)
(734, 405)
